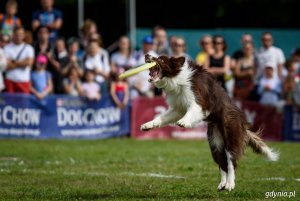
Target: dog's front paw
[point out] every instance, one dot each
(184, 124)
(150, 125)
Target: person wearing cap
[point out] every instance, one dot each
(139, 85)
(41, 81)
(269, 87)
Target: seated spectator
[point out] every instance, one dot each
(244, 72)
(89, 28)
(139, 85)
(48, 16)
(9, 20)
(160, 37)
(90, 88)
(72, 83)
(42, 44)
(2, 68)
(20, 58)
(178, 48)
(120, 60)
(119, 91)
(97, 59)
(207, 49)
(41, 81)
(289, 83)
(269, 86)
(218, 63)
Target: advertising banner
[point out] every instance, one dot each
(61, 117)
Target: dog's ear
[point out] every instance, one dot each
(177, 62)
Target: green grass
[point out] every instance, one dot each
(118, 169)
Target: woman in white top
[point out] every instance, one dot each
(97, 59)
(120, 60)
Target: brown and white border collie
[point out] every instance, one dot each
(194, 95)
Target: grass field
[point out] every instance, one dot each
(125, 169)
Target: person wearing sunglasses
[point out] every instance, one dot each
(218, 63)
(207, 49)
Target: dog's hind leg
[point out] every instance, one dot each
(231, 163)
(218, 153)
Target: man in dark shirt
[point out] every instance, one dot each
(48, 16)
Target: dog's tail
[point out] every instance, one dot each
(258, 146)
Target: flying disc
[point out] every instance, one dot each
(137, 69)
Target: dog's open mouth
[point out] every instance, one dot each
(155, 73)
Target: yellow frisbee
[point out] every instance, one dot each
(137, 69)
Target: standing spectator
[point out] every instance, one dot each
(178, 48)
(57, 60)
(269, 86)
(72, 59)
(41, 81)
(289, 83)
(97, 59)
(246, 38)
(48, 16)
(296, 58)
(139, 85)
(207, 49)
(218, 63)
(73, 44)
(244, 72)
(20, 58)
(9, 20)
(72, 83)
(42, 44)
(269, 54)
(2, 68)
(120, 60)
(4, 40)
(90, 88)
(119, 91)
(161, 45)
(89, 28)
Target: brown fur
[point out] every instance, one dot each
(224, 114)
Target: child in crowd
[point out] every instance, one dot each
(289, 83)
(269, 87)
(119, 91)
(72, 83)
(41, 81)
(90, 88)
(9, 21)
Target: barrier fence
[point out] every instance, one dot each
(24, 116)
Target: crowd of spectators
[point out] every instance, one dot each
(41, 62)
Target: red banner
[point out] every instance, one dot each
(145, 109)
(264, 117)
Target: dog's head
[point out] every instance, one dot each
(165, 67)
